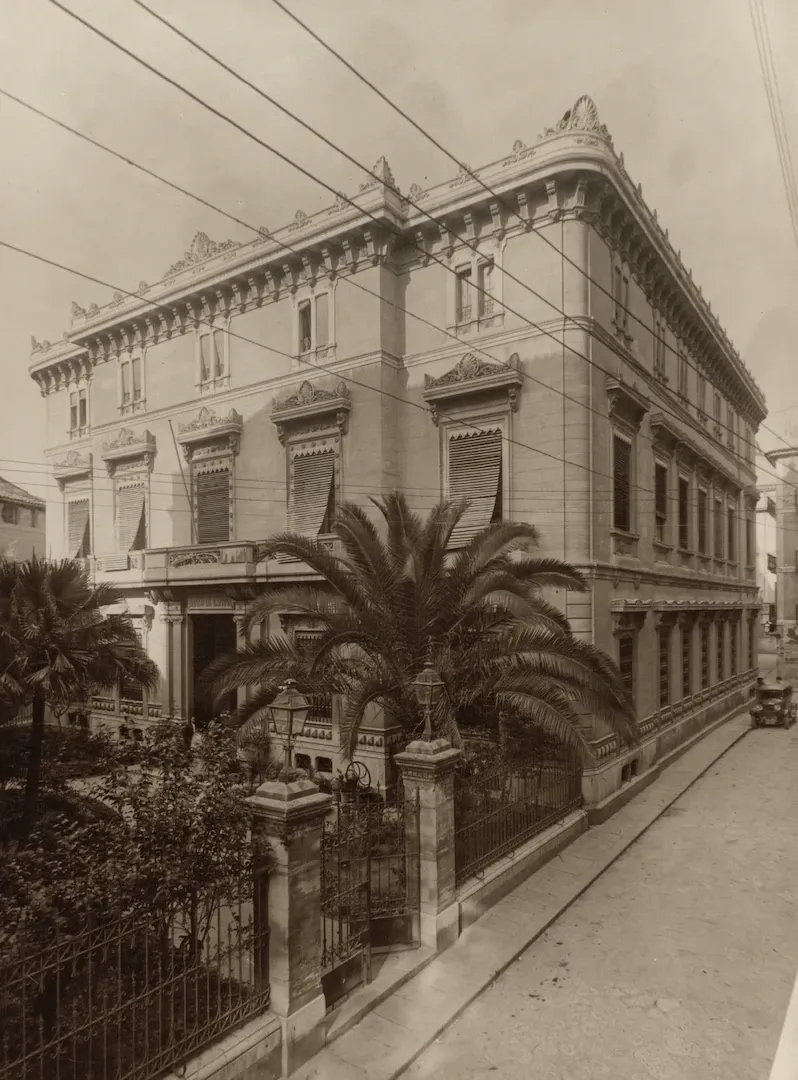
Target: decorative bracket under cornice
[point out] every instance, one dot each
(471, 378)
(626, 402)
(73, 467)
(209, 434)
(129, 447)
(629, 615)
(310, 407)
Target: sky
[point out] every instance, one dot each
(678, 85)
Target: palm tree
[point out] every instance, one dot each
(387, 605)
(57, 645)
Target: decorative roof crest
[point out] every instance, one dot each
(300, 220)
(582, 116)
(77, 311)
(383, 174)
(202, 248)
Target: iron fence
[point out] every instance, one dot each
(130, 1000)
(501, 808)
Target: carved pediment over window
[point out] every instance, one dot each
(472, 377)
(626, 403)
(74, 466)
(628, 616)
(133, 448)
(208, 434)
(312, 408)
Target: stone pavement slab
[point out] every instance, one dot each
(389, 1039)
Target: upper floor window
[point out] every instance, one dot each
(35, 518)
(131, 517)
(664, 649)
(701, 397)
(749, 541)
(621, 483)
(78, 528)
(704, 655)
(659, 349)
(661, 501)
(718, 402)
(485, 298)
(314, 323)
(731, 428)
(475, 289)
(131, 384)
(684, 513)
(212, 359)
(474, 473)
(464, 289)
(718, 529)
(312, 492)
(703, 523)
(682, 384)
(213, 493)
(620, 297)
(10, 514)
(78, 411)
(731, 533)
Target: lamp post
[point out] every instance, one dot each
(288, 712)
(428, 686)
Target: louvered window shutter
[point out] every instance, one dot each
(313, 491)
(475, 474)
(129, 517)
(78, 534)
(213, 507)
(622, 485)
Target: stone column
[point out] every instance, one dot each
(239, 617)
(427, 773)
(173, 618)
(289, 817)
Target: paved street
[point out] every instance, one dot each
(677, 963)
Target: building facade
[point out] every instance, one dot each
(22, 530)
(766, 554)
(785, 544)
(393, 342)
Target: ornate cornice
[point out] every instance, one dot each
(207, 431)
(629, 615)
(666, 433)
(310, 406)
(129, 447)
(74, 466)
(626, 403)
(472, 377)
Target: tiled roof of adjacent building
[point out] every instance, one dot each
(11, 493)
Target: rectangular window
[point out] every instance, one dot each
(749, 542)
(311, 506)
(205, 358)
(683, 376)
(684, 513)
(475, 475)
(661, 501)
(463, 295)
(73, 412)
(703, 523)
(664, 634)
(218, 354)
(731, 421)
(704, 656)
(78, 529)
(618, 296)
(626, 663)
(125, 376)
(322, 336)
(83, 409)
(212, 502)
(131, 521)
(687, 661)
(731, 533)
(625, 302)
(718, 550)
(751, 644)
(659, 347)
(135, 372)
(485, 281)
(305, 327)
(733, 647)
(621, 484)
(721, 654)
(702, 396)
(10, 514)
(717, 414)
(34, 519)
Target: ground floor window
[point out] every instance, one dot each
(704, 656)
(751, 644)
(664, 633)
(733, 647)
(720, 651)
(687, 674)
(626, 663)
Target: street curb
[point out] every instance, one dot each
(542, 930)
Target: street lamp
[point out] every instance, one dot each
(428, 686)
(288, 712)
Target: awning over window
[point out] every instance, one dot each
(130, 518)
(78, 531)
(475, 473)
(312, 492)
(212, 491)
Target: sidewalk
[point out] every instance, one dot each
(391, 1037)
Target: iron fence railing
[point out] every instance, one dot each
(501, 808)
(129, 1000)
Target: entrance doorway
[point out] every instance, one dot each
(214, 635)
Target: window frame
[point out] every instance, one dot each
(623, 435)
(219, 372)
(307, 298)
(684, 530)
(720, 649)
(702, 524)
(628, 638)
(468, 422)
(128, 401)
(718, 528)
(13, 508)
(79, 429)
(300, 445)
(683, 375)
(731, 532)
(491, 253)
(664, 666)
(706, 655)
(686, 646)
(79, 493)
(621, 289)
(661, 515)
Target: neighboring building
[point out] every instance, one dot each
(177, 445)
(22, 533)
(766, 553)
(785, 541)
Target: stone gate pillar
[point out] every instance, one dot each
(289, 818)
(427, 773)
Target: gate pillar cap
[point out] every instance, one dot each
(423, 760)
(279, 806)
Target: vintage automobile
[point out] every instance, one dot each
(774, 705)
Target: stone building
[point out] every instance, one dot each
(785, 543)
(22, 532)
(367, 347)
(766, 564)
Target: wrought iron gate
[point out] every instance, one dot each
(369, 885)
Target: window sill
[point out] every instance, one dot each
(80, 433)
(625, 543)
(212, 386)
(660, 376)
(310, 357)
(133, 407)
